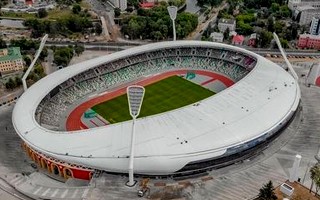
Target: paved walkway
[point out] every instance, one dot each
(239, 181)
(38, 185)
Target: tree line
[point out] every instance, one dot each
(156, 24)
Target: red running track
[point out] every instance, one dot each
(74, 119)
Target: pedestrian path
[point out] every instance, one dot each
(39, 186)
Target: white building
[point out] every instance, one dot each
(216, 37)
(227, 23)
(315, 26)
(294, 4)
(307, 13)
(122, 4)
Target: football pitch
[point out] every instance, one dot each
(167, 94)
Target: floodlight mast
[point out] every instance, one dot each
(293, 73)
(24, 82)
(173, 15)
(135, 94)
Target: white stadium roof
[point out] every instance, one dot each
(240, 113)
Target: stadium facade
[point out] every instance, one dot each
(216, 130)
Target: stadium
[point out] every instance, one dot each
(207, 105)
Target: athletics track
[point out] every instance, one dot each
(74, 119)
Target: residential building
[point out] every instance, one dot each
(309, 41)
(294, 4)
(252, 40)
(147, 5)
(227, 23)
(306, 13)
(216, 37)
(10, 60)
(237, 40)
(122, 4)
(315, 26)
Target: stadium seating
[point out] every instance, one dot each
(112, 74)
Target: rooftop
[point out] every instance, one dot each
(238, 38)
(306, 7)
(12, 54)
(310, 36)
(227, 21)
(216, 35)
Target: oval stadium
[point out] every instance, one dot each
(207, 105)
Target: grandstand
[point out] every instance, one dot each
(224, 126)
(110, 75)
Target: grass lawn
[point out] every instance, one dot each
(168, 94)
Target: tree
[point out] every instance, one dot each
(284, 43)
(158, 24)
(264, 39)
(18, 81)
(270, 24)
(210, 2)
(226, 34)
(42, 13)
(78, 49)
(275, 7)
(27, 60)
(76, 8)
(117, 12)
(98, 28)
(63, 55)
(315, 177)
(279, 26)
(10, 84)
(44, 53)
(267, 192)
(3, 44)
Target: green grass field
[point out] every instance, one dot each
(168, 94)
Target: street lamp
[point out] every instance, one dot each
(135, 94)
(173, 15)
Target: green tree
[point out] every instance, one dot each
(284, 43)
(264, 39)
(98, 28)
(10, 84)
(275, 7)
(315, 177)
(117, 12)
(78, 49)
(285, 11)
(3, 44)
(44, 53)
(27, 60)
(279, 26)
(18, 81)
(76, 9)
(267, 192)
(24, 44)
(63, 55)
(210, 2)
(157, 21)
(270, 24)
(42, 13)
(156, 35)
(226, 34)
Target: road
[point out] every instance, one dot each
(48, 68)
(203, 23)
(125, 45)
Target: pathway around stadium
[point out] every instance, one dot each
(239, 181)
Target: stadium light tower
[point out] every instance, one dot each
(24, 82)
(293, 73)
(135, 95)
(173, 15)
